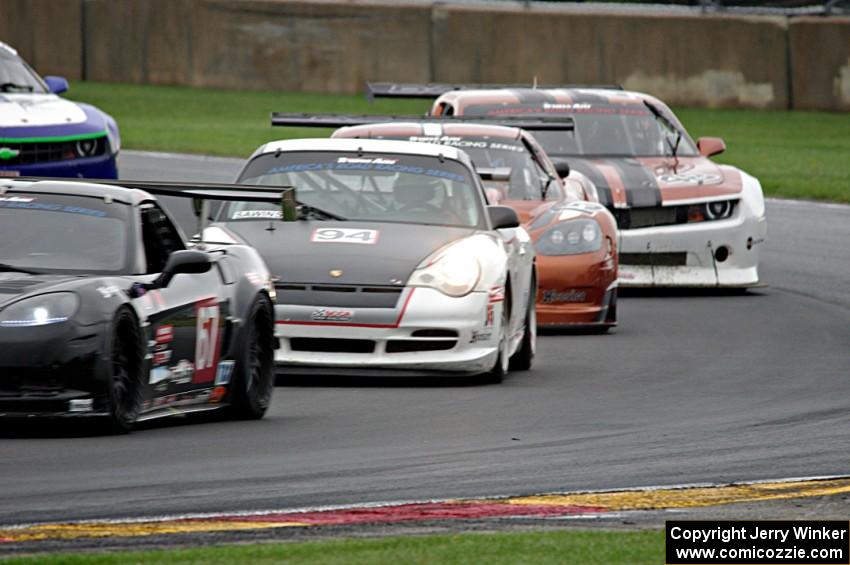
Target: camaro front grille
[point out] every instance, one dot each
(30, 153)
(675, 259)
(634, 218)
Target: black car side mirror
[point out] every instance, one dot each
(183, 262)
(562, 168)
(503, 217)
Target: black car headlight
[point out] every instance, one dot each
(570, 238)
(41, 310)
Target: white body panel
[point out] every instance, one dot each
(27, 110)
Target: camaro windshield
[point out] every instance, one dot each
(527, 178)
(600, 129)
(16, 76)
(368, 186)
(62, 234)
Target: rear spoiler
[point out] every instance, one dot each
(202, 193)
(297, 119)
(433, 90)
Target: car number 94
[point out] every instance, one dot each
(344, 235)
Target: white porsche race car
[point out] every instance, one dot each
(396, 265)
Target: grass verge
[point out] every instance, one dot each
(794, 154)
(587, 547)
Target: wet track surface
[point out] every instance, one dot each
(691, 387)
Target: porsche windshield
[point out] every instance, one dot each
(54, 233)
(616, 130)
(527, 177)
(17, 77)
(378, 187)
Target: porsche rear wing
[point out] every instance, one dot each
(297, 119)
(433, 90)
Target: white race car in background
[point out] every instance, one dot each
(396, 265)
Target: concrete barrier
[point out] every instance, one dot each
(47, 33)
(695, 60)
(336, 45)
(311, 46)
(820, 63)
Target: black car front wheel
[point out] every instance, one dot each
(254, 376)
(124, 388)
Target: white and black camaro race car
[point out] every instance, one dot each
(396, 265)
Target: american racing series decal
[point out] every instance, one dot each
(345, 235)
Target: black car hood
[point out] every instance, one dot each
(14, 285)
(292, 255)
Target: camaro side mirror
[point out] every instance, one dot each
(57, 85)
(503, 217)
(183, 262)
(562, 168)
(709, 146)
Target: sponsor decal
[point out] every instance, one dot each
(162, 357)
(160, 375)
(224, 372)
(257, 215)
(255, 279)
(453, 141)
(329, 315)
(690, 179)
(181, 373)
(367, 161)
(32, 205)
(353, 164)
(490, 318)
(345, 235)
(10, 174)
(109, 291)
(554, 296)
(480, 336)
(165, 333)
(497, 294)
(206, 340)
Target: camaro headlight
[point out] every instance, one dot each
(454, 272)
(40, 310)
(571, 237)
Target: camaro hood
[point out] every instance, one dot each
(361, 254)
(16, 285)
(32, 110)
(629, 182)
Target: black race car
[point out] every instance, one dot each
(105, 310)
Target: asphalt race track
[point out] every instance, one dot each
(692, 387)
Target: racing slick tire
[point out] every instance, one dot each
(254, 375)
(524, 357)
(124, 387)
(500, 370)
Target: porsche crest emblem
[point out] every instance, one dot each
(336, 273)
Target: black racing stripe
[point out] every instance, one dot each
(532, 96)
(642, 189)
(596, 177)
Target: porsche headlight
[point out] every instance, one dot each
(455, 272)
(570, 238)
(40, 310)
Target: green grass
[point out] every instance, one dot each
(794, 154)
(584, 547)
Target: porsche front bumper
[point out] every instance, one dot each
(427, 333)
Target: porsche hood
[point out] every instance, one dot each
(643, 182)
(344, 253)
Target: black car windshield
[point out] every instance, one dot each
(527, 177)
(367, 186)
(17, 77)
(614, 130)
(54, 233)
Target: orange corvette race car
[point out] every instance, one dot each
(575, 240)
(683, 219)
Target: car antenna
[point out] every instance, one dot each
(534, 83)
(277, 153)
